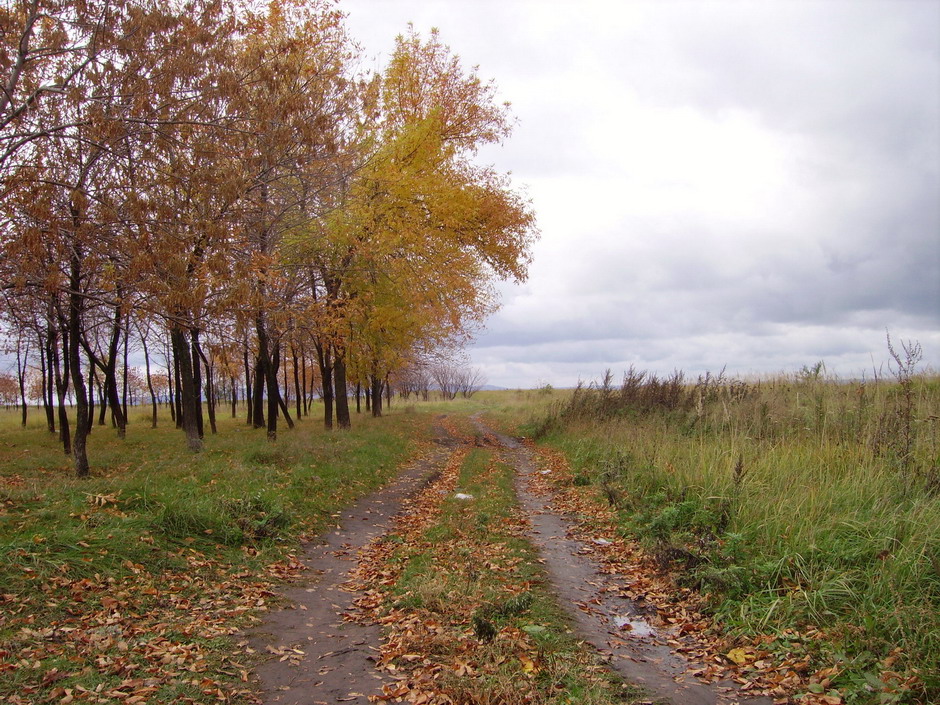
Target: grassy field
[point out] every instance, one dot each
(133, 583)
(795, 504)
(806, 509)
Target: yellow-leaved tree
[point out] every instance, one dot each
(421, 231)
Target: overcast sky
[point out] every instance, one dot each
(742, 183)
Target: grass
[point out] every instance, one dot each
(792, 503)
(146, 570)
(497, 632)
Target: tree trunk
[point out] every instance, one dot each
(358, 395)
(91, 396)
(65, 431)
(197, 377)
(21, 379)
(170, 397)
(303, 372)
(76, 302)
(127, 331)
(45, 365)
(376, 395)
(210, 386)
(248, 396)
(274, 392)
(297, 400)
(280, 400)
(178, 385)
(102, 401)
(339, 390)
(265, 381)
(110, 376)
(234, 397)
(187, 399)
(153, 396)
(326, 378)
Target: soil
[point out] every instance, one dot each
(318, 657)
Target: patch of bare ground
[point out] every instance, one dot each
(318, 654)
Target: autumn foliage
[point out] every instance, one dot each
(219, 184)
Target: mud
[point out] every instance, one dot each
(316, 656)
(619, 628)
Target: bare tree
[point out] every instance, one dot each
(470, 381)
(445, 377)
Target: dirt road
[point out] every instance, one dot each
(318, 656)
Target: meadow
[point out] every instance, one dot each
(805, 508)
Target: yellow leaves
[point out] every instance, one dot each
(528, 665)
(739, 656)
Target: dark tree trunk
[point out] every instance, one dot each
(303, 372)
(210, 385)
(21, 378)
(234, 397)
(297, 400)
(197, 377)
(102, 401)
(368, 398)
(258, 396)
(280, 400)
(91, 397)
(248, 378)
(188, 398)
(45, 365)
(326, 377)
(358, 395)
(153, 396)
(170, 398)
(274, 393)
(65, 432)
(388, 393)
(376, 395)
(76, 302)
(339, 390)
(127, 331)
(110, 373)
(178, 385)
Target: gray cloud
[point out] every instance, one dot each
(751, 184)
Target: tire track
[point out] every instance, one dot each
(619, 628)
(320, 656)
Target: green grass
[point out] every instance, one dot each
(163, 534)
(792, 504)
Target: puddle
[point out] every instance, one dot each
(634, 626)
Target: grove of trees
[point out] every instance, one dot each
(219, 185)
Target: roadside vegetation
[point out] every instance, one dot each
(800, 505)
(135, 582)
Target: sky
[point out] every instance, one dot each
(721, 183)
